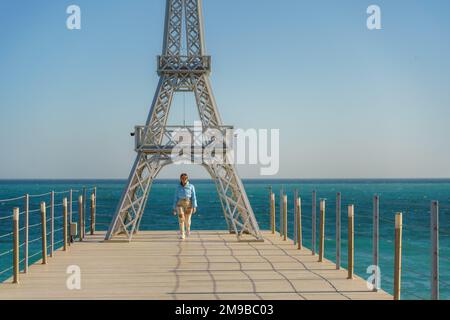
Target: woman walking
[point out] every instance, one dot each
(185, 205)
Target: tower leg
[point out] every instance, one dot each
(132, 203)
(223, 204)
(136, 230)
(238, 211)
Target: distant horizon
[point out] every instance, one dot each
(244, 179)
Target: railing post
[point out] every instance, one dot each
(338, 231)
(376, 237)
(272, 212)
(351, 251)
(70, 212)
(95, 209)
(270, 209)
(70, 205)
(313, 223)
(92, 214)
(299, 224)
(44, 232)
(16, 248)
(295, 216)
(65, 235)
(84, 211)
(434, 250)
(398, 256)
(281, 212)
(285, 217)
(27, 231)
(322, 230)
(80, 217)
(52, 223)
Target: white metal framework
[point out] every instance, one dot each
(182, 71)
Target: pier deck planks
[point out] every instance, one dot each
(208, 265)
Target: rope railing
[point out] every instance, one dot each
(6, 235)
(51, 240)
(366, 228)
(34, 225)
(62, 192)
(34, 210)
(7, 217)
(34, 255)
(6, 253)
(12, 199)
(6, 270)
(43, 195)
(34, 240)
(39, 195)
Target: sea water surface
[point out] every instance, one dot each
(412, 197)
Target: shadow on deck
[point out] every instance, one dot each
(207, 265)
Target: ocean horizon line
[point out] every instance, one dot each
(62, 180)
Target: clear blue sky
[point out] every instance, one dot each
(350, 103)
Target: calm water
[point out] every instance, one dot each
(411, 197)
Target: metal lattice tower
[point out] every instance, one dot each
(182, 70)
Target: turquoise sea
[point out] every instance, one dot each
(412, 197)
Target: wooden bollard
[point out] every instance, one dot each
(375, 240)
(285, 217)
(85, 199)
(281, 212)
(80, 218)
(16, 248)
(299, 224)
(44, 232)
(338, 231)
(322, 230)
(313, 223)
(70, 207)
(65, 224)
(27, 230)
(52, 223)
(92, 214)
(398, 256)
(295, 217)
(272, 212)
(434, 224)
(351, 249)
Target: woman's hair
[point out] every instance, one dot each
(183, 175)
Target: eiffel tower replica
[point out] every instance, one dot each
(188, 71)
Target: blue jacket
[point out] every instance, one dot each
(188, 191)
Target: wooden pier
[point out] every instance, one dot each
(207, 265)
